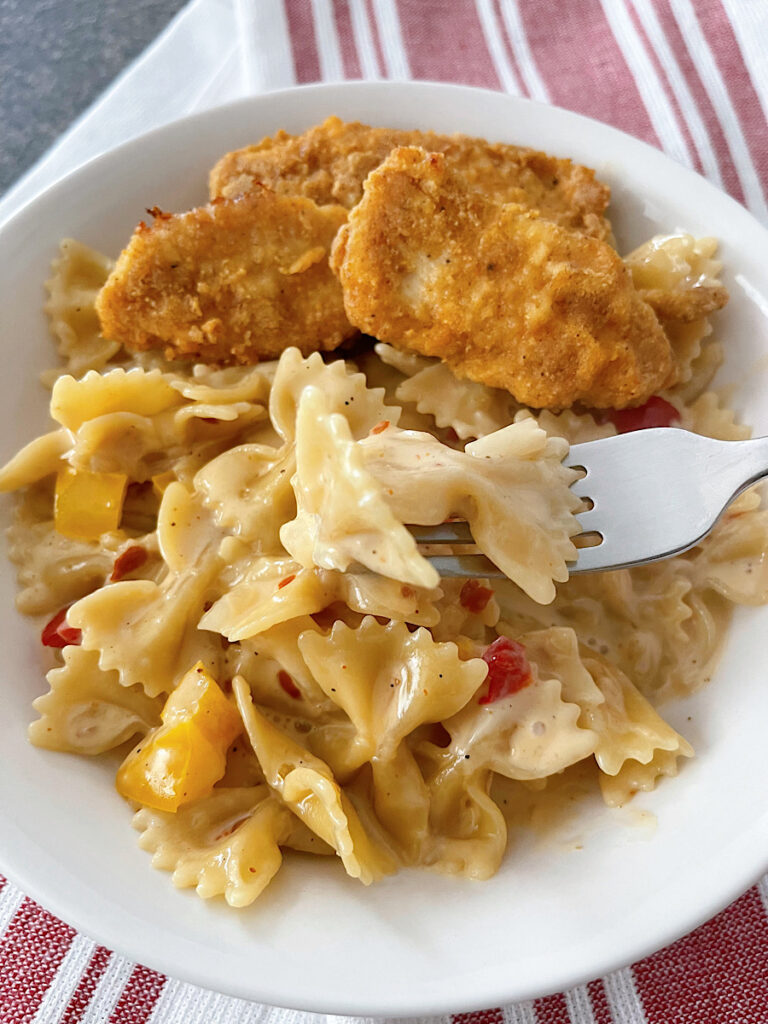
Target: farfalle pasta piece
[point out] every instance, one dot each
(511, 487)
(634, 777)
(279, 644)
(87, 711)
(211, 385)
(137, 423)
(345, 392)
(649, 621)
(225, 845)
(574, 427)
(628, 728)
(388, 680)
(400, 800)
(307, 786)
(96, 394)
(342, 515)
(678, 277)
(708, 416)
(733, 559)
(36, 460)
(529, 734)
(467, 831)
(370, 594)
(248, 489)
(148, 631)
(469, 408)
(78, 274)
(274, 590)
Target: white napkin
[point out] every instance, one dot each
(212, 52)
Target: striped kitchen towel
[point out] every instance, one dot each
(688, 76)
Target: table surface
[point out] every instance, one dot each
(56, 57)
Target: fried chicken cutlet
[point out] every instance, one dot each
(236, 281)
(330, 162)
(502, 295)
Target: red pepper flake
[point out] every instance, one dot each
(288, 684)
(508, 669)
(128, 561)
(656, 412)
(232, 828)
(380, 427)
(58, 634)
(407, 591)
(286, 581)
(474, 596)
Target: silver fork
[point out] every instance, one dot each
(652, 494)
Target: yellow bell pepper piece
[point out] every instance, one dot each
(173, 766)
(182, 759)
(161, 481)
(88, 504)
(199, 699)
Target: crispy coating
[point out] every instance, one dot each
(330, 162)
(685, 304)
(236, 281)
(502, 295)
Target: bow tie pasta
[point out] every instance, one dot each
(223, 557)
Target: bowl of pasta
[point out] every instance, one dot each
(273, 335)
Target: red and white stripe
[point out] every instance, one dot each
(690, 76)
(51, 975)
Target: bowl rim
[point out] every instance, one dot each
(92, 922)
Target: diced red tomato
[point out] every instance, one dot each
(655, 413)
(508, 669)
(474, 596)
(288, 684)
(58, 634)
(127, 561)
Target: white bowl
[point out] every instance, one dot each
(416, 943)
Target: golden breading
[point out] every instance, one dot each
(236, 281)
(502, 295)
(685, 304)
(330, 162)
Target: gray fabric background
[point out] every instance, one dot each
(56, 56)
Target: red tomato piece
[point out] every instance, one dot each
(474, 596)
(58, 634)
(655, 413)
(126, 562)
(508, 669)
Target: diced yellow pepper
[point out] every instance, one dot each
(174, 765)
(88, 504)
(161, 481)
(199, 699)
(182, 759)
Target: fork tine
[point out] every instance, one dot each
(456, 566)
(444, 533)
(465, 566)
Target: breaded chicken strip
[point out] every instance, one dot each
(330, 162)
(503, 296)
(236, 281)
